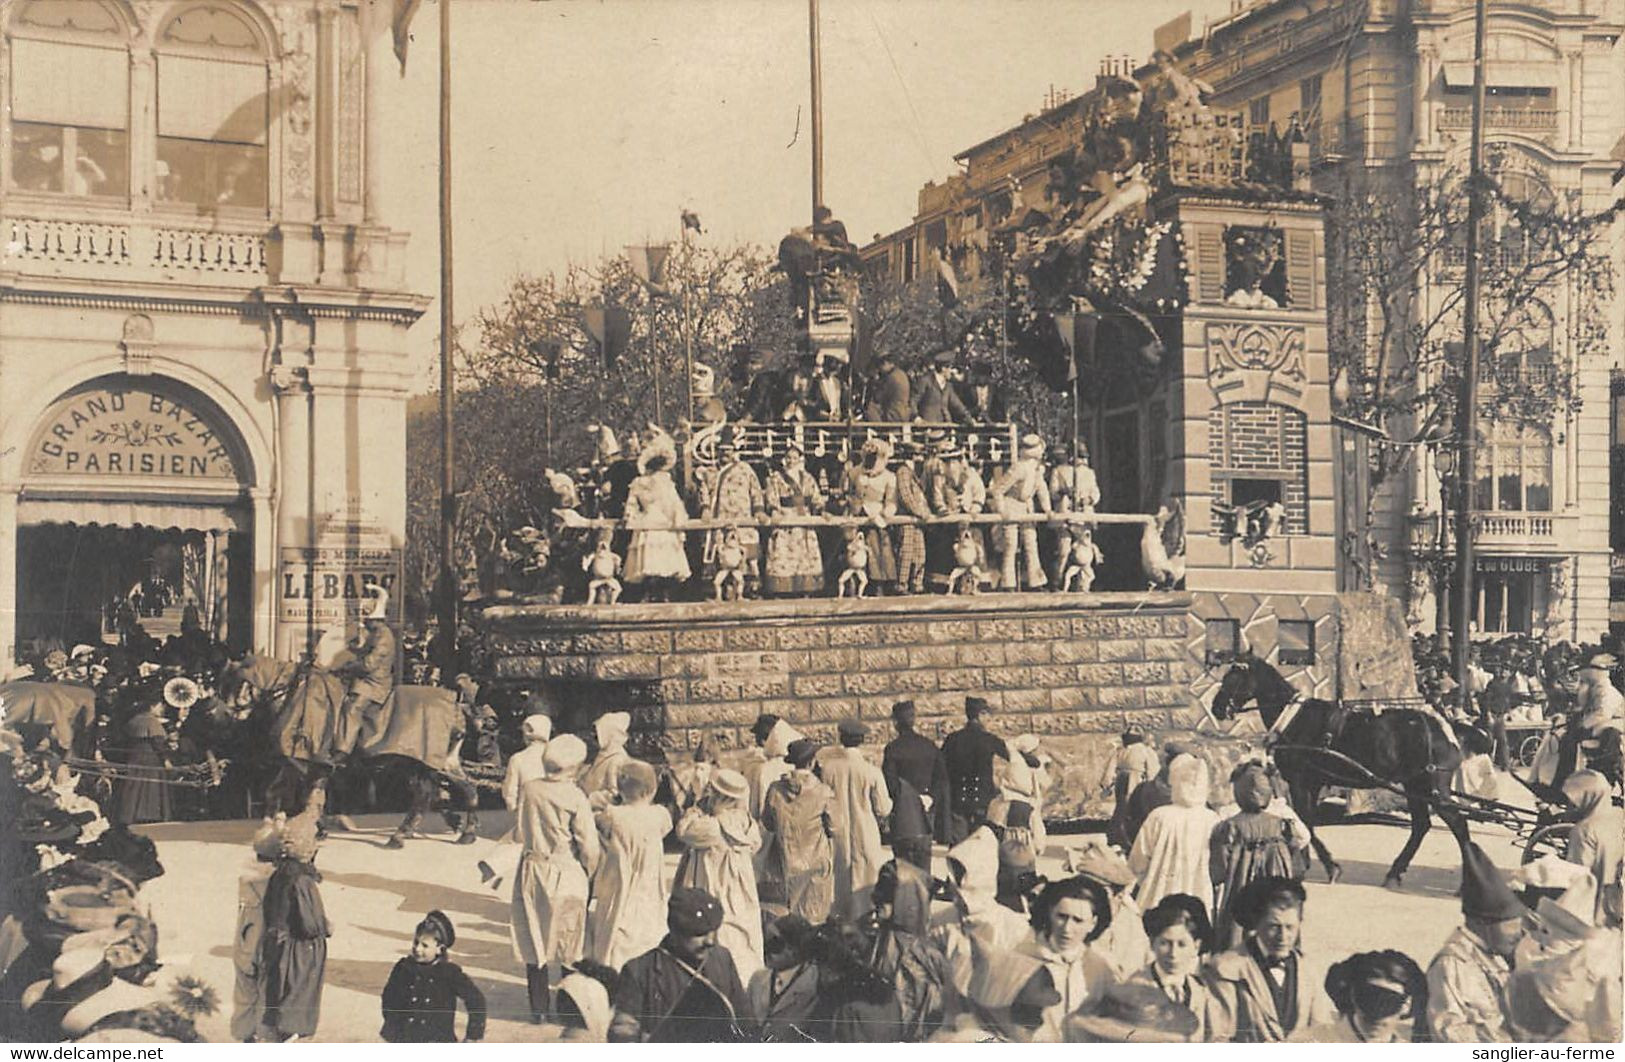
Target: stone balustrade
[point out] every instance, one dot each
(134, 249)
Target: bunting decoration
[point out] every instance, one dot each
(401, 27)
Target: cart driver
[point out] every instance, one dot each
(1599, 716)
(371, 678)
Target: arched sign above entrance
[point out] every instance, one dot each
(118, 427)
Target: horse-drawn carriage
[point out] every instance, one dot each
(1405, 747)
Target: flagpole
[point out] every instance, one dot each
(688, 332)
(448, 382)
(817, 110)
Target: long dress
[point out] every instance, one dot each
(293, 949)
(953, 490)
(555, 828)
(1246, 846)
(795, 565)
(1171, 853)
(797, 812)
(736, 498)
(721, 849)
(870, 493)
(861, 803)
(144, 799)
(652, 507)
(628, 915)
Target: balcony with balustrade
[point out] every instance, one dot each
(77, 245)
(1515, 119)
(1521, 532)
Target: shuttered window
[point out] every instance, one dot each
(1209, 264)
(1300, 269)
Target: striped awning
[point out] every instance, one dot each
(185, 516)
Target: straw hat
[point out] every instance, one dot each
(730, 784)
(1135, 1013)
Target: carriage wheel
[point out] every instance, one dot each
(1553, 836)
(1527, 749)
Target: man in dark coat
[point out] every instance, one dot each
(969, 753)
(687, 989)
(915, 758)
(983, 400)
(889, 395)
(935, 399)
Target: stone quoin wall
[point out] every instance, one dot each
(1050, 664)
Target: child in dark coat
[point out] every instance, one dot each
(420, 999)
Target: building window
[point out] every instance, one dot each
(1296, 641)
(1258, 112)
(1309, 99)
(212, 111)
(1258, 454)
(1221, 641)
(70, 100)
(1514, 470)
(910, 260)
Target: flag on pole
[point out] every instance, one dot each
(401, 27)
(1078, 331)
(691, 220)
(947, 281)
(649, 266)
(610, 327)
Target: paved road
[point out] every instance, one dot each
(375, 897)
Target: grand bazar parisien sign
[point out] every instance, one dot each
(129, 431)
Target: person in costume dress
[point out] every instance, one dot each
(798, 816)
(1381, 998)
(293, 942)
(1250, 844)
(795, 564)
(911, 501)
(1180, 940)
(1073, 488)
(1020, 490)
(871, 492)
(656, 555)
(736, 498)
(554, 825)
(773, 737)
(1067, 917)
(1597, 841)
(861, 804)
(1172, 852)
(1467, 980)
(144, 799)
(1265, 989)
(953, 488)
(601, 782)
(499, 858)
(1021, 777)
(629, 888)
(720, 842)
(685, 990)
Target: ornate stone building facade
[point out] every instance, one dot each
(1384, 87)
(203, 369)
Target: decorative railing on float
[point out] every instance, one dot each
(983, 444)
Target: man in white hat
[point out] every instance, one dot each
(1020, 490)
(371, 675)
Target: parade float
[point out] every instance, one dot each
(1172, 270)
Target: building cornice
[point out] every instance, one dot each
(400, 309)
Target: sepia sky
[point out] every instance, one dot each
(581, 126)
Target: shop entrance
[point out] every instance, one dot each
(90, 583)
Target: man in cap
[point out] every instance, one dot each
(1599, 717)
(1467, 980)
(889, 394)
(1020, 490)
(861, 802)
(687, 989)
(968, 754)
(371, 675)
(915, 758)
(935, 399)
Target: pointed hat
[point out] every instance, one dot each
(1484, 891)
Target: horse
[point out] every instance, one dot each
(402, 745)
(1403, 747)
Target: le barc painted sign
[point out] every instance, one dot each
(328, 586)
(119, 431)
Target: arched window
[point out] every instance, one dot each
(70, 99)
(212, 111)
